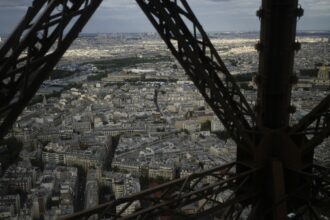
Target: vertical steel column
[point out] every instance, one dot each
(277, 46)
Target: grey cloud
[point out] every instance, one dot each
(215, 15)
(219, 0)
(15, 3)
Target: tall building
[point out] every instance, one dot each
(323, 73)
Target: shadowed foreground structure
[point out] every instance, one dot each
(274, 177)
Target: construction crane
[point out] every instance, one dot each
(274, 176)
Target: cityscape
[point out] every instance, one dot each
(119, 115)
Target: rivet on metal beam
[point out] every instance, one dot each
(294, 79)
(259, 46)
(256, 108)
(297, 46)
(292, 109)
(260, 13)
(299, 12)
(257, 79)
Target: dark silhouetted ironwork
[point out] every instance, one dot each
(274, 177)
(170, 198)
(195, 52)
(33, 50)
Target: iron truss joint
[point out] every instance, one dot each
(259, 47)
(260, 13)
(297, 46)
(299, 12)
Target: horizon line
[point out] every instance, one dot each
(315, 31)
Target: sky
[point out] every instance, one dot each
(215, 15)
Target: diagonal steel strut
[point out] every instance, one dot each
(315, 126)
(215, 188)
(34, 49)
(49, 28)
(195, 52)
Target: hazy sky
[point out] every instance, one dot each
(215, 15)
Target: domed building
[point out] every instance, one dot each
(322, 81)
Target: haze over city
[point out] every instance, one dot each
(127, 120)
(215, 15)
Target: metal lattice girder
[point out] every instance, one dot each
(36, 46)
(14, 39)
(315, 126)
(195, 52)
(313, 195)
(319, 176)
(214, 190)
